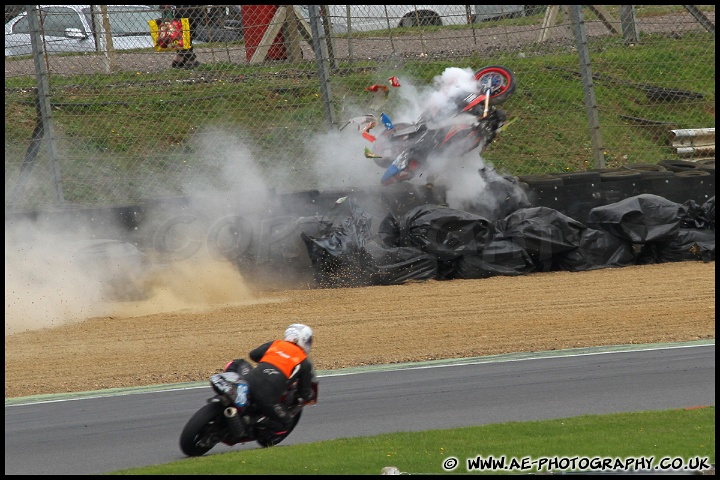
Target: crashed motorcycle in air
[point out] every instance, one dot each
(404, 150)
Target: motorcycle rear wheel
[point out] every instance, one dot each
(503, 79)
(205, 429)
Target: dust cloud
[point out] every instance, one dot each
(44, 285)
(59, 272)
(192, 285)
(50, 281)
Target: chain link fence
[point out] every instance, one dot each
(95, 115)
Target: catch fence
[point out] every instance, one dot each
(599, 87)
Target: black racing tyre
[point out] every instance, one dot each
(541, 179)
(678, 165)
(382, 162)
(205, 429)
(384, 145)
(502, 80)
(652, 167)
(620, 175)
(656, 173)
(275, 439)
(177, 237)
(231, 238)
(693, 173)
(576, 178)
(707, 165)
(706, 162)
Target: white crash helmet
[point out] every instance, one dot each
(300, 334)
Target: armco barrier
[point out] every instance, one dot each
(696, 143)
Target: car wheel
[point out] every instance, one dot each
(422, 19)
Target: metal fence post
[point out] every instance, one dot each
(103, 37)
(701, 18)
(629, 24)
(588, 87)
(321, 58)
(43, 83)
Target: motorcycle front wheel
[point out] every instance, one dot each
(502, 82)
(205, 429)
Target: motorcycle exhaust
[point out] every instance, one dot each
(236, 424)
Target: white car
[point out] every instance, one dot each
(364, 18)
(69, 28)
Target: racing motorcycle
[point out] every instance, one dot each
(231, 417)
(403, 149)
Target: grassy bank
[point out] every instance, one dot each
(672, 434)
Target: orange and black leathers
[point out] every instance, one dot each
(279, 363)
(285, 356)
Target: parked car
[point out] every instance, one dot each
(495, 12)
(70, 28)
(484, 13)
(12, 11)
(364, 18)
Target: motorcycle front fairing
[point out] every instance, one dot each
(412, 158)
(453, 138)
(400, 169)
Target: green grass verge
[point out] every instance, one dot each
(687, 434)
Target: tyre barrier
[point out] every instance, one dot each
(693, 173)
(620, 175)
(707, 165)
(678, 165)
(579, 178)
(269, 237)
(576, 198)
(656, 173)
(541, 180)
(266, 241)
(649, 167)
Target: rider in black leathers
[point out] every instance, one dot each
(279, 364)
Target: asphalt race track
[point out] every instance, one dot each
(107, 432)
